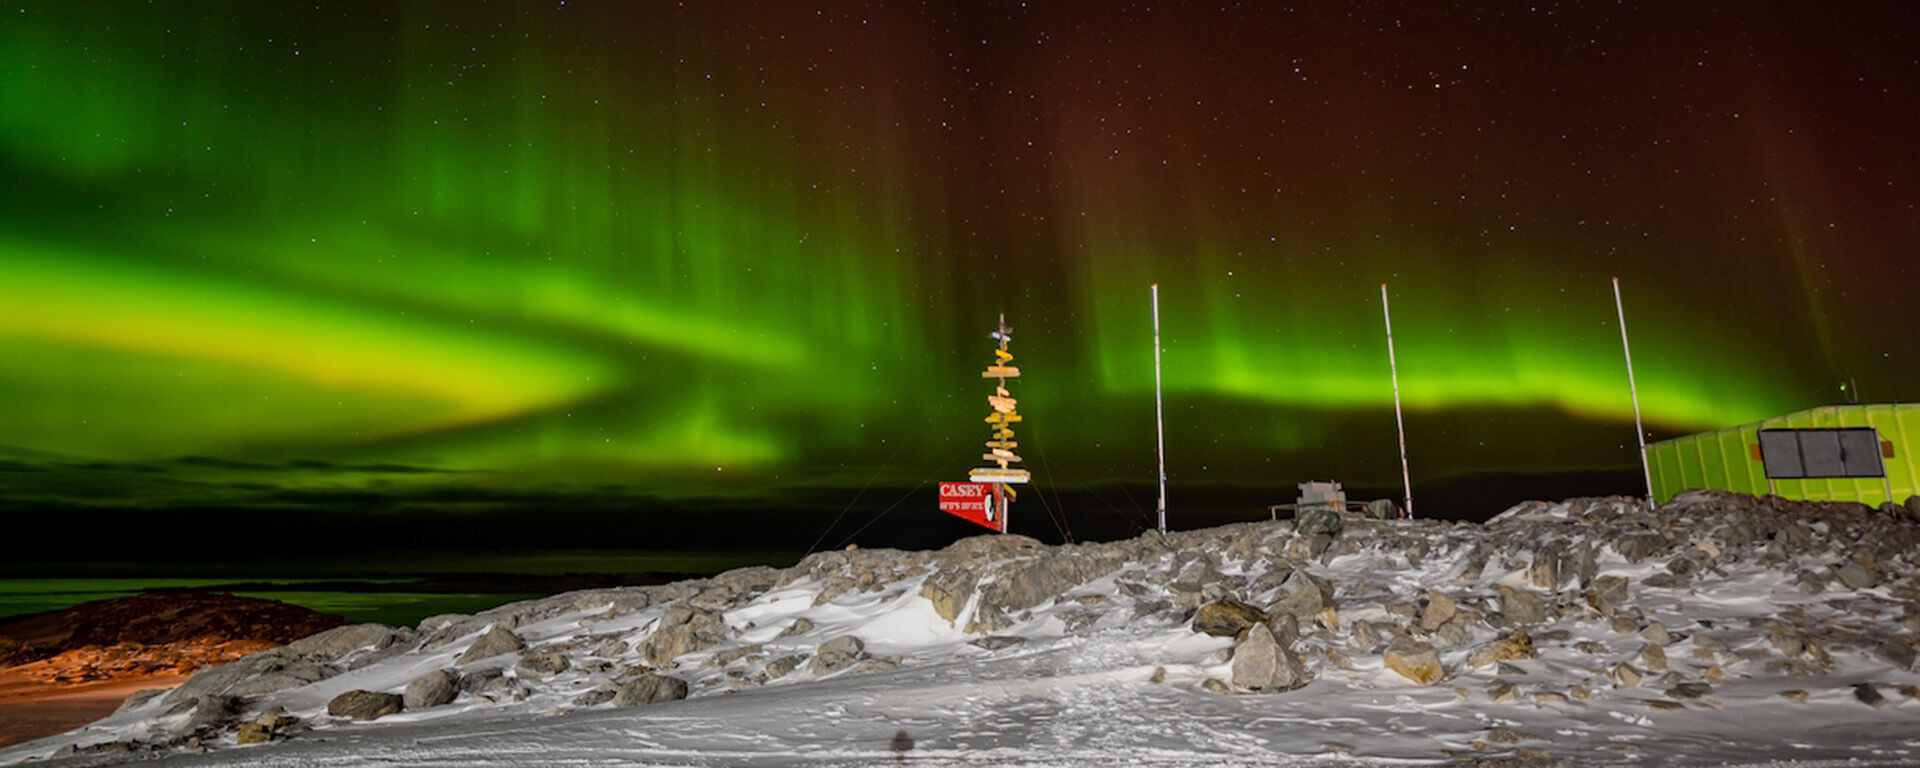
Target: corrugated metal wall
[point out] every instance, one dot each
(1725, 459)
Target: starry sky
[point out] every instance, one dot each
(390, 258)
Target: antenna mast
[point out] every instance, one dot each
(1159, 419)
(1639, 432)
(1393, 367)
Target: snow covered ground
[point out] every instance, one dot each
(1103, 667)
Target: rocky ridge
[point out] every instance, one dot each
(1546, 605)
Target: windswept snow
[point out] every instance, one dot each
(1083, 655)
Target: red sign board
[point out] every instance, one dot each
(973, 502)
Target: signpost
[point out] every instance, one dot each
(984, 501)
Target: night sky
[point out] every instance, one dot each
(392, 260)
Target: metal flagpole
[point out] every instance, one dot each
(1406, 478)
(1639, 432)
(1159, 419)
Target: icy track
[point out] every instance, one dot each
(1109, 672)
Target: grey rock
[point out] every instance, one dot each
(1522, 607)
(474, 681)
(365, 705)
(1607, 592)
(1638, 547)
(1213, 685)
(431, 690)
(595, 697)
(1029, 583)
(1365, 637)
(1415, 660)
(1689, 690)
(1856, 576)
(214, 711)
(1301, 597)
(538, 664)
(873, 666)
(650, 689)
(682, 630)
(999, 642)
(1895, 652)
(1866, 694)
(1666, 580)
(1545, 571)
(948, 590)
(280, 675)
(1441, 608)
(139, 699)
(612, 649)
(837, 654)
(495, 642)
(1261, 664)
(341, 642)
(800, 626)
(1227, 618)
(1319, 521)
(783, 666)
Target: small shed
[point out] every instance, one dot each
(1865, 453)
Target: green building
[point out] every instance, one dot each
(1866, 453)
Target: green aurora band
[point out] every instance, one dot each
(738, 248)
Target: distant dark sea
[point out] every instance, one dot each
(397, 589)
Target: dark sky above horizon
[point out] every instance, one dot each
(358, 256)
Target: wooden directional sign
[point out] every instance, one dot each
(998, 475)
(974, 503)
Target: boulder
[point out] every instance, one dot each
(1415, 660)
(612, 649)
(1513, 647)
(538, 664)
(496, 641)
(341, 642)
(214, 711)
(1655, 657)
(1301, 597)
(998, 642)
(948, 590)
(365, 705)
(600, 694)
(1545, 571)
(650, 689)
(1365, 637)
(800, 626)
(474, 681)
(1441, 609)
(1522, 607)
(782, 666)
(1025, 584)
(1607, 592)
(431, 690)
(1260, 663)
(1856, 576)
(1227, 618)
(253, 733)
(837, 654)
(1319, 521)
(682, 630)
